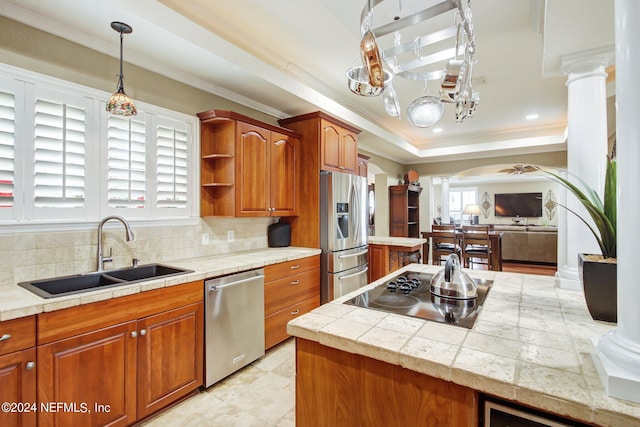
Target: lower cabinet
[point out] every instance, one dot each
(291, 289)
(18, 372)
(17, 388)
(353, 390)
(148, 354)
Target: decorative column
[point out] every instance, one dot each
(617, 354)
(444, 199)
(586, 153)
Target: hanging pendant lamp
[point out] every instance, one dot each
(119, 103)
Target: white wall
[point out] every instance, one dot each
(542, 186)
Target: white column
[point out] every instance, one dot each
(586, 155)
(444, 199)
(618, 351)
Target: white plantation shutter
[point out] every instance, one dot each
(59, 154)
(171, 174)
(7, 148)
(126, 163)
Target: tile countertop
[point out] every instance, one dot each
(531, 343)
(396, 241)
(16, 301)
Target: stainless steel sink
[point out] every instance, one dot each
(79, 283)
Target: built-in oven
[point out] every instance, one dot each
(499, 413)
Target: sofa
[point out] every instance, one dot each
(529, 243)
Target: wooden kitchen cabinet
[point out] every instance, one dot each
(404, 211)
(339, 147)
(352, 390)
(124, 358)
(248, 168)
(327, 144)
(18, 371)
(291, 289)
(267, 172)
(363, 165)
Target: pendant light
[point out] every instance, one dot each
(119, 103)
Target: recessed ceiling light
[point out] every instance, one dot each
(531, 117)
(437, 130)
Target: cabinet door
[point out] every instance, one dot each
(170, 354)
(95, 373)
(252, 170)
(330, 146)
(18, 385)
(285, 159)
(378, 261)
(348, 152)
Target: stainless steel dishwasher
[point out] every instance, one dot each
(234, 323)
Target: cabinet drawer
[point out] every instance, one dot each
(285, 269)
(284, 292)
(17, 334)
(275, 325)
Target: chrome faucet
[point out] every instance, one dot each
(100, 259)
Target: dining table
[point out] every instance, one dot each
(496, 247)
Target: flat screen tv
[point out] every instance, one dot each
(519, 204)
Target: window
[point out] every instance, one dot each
(64, 159)
(7, 148)
(126, 162)
(58, 154)
(458, 199)
(171, 158)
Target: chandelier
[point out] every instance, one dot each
(119, 103)
(450, 69)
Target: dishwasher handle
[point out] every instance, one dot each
(213, 288)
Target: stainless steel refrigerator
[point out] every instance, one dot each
(343, 234)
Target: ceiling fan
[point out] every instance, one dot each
(518, 169)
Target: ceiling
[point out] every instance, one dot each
(286, 58)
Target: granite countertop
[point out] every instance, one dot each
(396, 241)
(16, 301)
(531, 343)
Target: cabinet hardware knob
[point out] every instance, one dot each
(134, 334)
(293, 267)
(143, 332)
(295, 282)
(5, 337)
(30, 365)
(293, 313)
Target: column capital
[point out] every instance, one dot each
(588, 62)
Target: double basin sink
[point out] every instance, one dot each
(79, 283)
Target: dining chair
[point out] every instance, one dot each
(476, 245)
(445, 242)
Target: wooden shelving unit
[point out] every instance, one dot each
(404, 210)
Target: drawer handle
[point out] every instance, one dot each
(30, 365)
(134, 334)
(5, 337)
(143, 332)
(295, 282)
(294, 267)
(293, 313)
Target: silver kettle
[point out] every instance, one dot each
(452, 282)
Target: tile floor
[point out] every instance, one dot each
(261, 394)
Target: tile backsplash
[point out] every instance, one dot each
(28, 256)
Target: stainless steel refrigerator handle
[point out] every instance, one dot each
(366, 251)
(355, 211)
(218, 287)
(348, 276)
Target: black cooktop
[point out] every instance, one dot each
(409, 294)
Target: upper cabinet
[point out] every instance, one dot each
(249, 168)
(331, 143)
(339, 148)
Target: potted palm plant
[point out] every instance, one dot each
(598, 273)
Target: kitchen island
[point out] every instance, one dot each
(531, 344)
